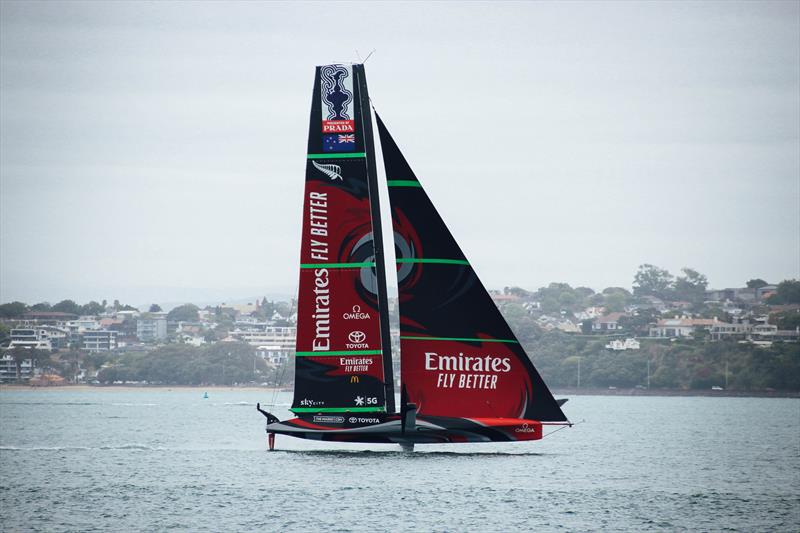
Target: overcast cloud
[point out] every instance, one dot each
(156, 151)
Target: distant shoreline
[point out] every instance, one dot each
(674, 392)
(556, 391)
(134, 388)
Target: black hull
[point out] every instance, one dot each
(427, 430)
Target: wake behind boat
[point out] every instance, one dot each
(465, 376)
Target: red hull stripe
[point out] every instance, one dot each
(302, 423)
(503, 421)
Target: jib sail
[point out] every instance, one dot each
(339, 365)
(458, 355)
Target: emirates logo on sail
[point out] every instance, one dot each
(466, 372)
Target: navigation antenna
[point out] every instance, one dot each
(366, 58)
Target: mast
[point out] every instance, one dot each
(377, 236)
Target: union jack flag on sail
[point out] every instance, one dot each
(339, 142)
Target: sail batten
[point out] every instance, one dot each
(355, 266)
(403, 183)
(359, 155)
(338, 353)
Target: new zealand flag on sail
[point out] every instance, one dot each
(339, 143)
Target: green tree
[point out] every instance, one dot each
(788, 292)
(5, 334)
(614, 302)
(154, 308)
(20, 354)
(92, 309)
(651, 280)
(42, 306)
(615, 299)
(756, 283)
(517, 291)
(786, 320)
(584, 292)
(691, 287)
(184, 313)
(13, 309)
(70, 364)
(67, 306)
(639, 322)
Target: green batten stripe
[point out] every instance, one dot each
(465, 339)
(439, 261)
(403, 183)
(346, 352)
(338, 265)
(338, 155)
(337, 409)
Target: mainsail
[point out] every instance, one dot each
(339, 363)
(459, 358)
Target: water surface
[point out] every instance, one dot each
(158, 459)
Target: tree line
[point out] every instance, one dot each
(179, 364)
(683, 364)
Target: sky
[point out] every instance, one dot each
(155, 152)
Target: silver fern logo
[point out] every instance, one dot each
(334, 172)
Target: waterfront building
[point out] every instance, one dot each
(284, 336)
(276, 355)
(151, 329)
(8, 369)
(99, 340)
(33, 337)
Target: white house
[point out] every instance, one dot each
(284, 336)
(683, 326)
(277, 355)
(609, 322)
(627, 344)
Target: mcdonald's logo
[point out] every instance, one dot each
(353, 379)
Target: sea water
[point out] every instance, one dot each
(157, 459)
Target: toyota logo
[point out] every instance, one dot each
(357, 336)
